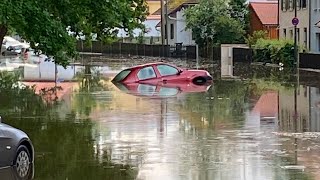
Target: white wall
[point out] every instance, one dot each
(184, 36)
(150, 24)
(181, 35)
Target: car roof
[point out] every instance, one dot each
(149, 64)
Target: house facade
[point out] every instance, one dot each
(315, 26)
(176, 31)
(308, 32)
(264, 16)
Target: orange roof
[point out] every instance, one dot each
(267, 11)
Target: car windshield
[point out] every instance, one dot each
(123, 74)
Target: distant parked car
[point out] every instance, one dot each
(16, 153)
(162, 72)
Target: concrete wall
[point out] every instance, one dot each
(285, 21)
(227, 58)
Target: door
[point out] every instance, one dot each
(147, 75)
(5, 149)
(2, 147)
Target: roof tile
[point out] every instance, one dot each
(266, 11)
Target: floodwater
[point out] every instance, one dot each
(260, 124)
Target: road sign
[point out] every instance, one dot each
(295, 21)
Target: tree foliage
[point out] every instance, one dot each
(252, 39)
(48, 23)
(212, 22)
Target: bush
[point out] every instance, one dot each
(252, 40)
(274, 51)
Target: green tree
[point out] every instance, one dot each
(239, 10)
(48, 23)
(211, 23)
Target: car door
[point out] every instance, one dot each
(147, 75)
(169, 73)
(5, 148)
(2, 147)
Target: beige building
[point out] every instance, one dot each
(286, 14)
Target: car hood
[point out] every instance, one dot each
(13, 132)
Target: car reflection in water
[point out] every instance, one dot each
(16, 154)
(161, 90)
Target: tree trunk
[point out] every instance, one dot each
(3, 32)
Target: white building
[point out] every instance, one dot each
(177, 32)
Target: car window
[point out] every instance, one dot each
(123, 74)
(164, 91)
(146, 90)
(146, 73)
(166, 70)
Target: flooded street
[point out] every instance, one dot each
(261, 124)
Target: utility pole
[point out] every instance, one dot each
(167, 28)
(167, 20)
(162, 23)
(296, 59)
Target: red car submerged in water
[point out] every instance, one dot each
(160, 72)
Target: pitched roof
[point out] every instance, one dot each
(267, 11)
(173, 7)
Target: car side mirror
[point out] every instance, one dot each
(179, 72)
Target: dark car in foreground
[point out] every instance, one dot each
(16, 154)
(162, 72)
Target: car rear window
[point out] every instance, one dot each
(123, 74)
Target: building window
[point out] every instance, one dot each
(315, 4)
(304, 3)
(298, 4)
(305, 30)
(285, 33)
(291, 4)
(171, 31)
(283, 5)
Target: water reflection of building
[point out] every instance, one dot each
(308, 107)
(314, 109)
(287, 109)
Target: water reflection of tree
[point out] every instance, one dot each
(64, 147)
(90, 81)
(224, 103)
(16, 98)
